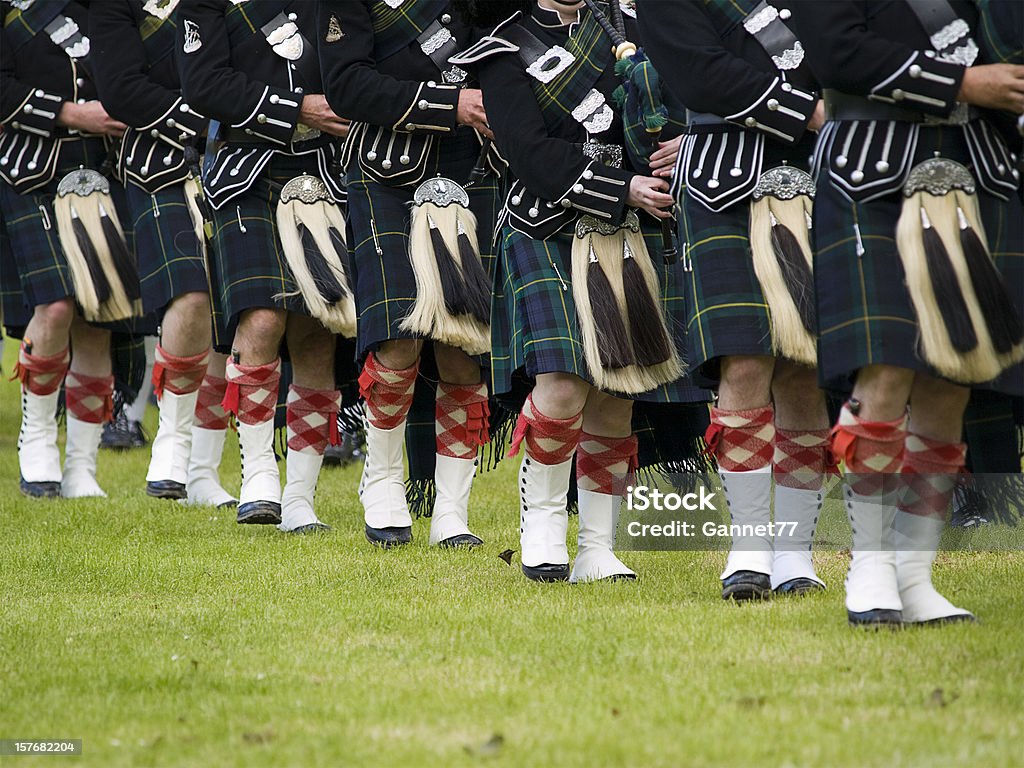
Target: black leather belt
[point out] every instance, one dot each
(845, 106)
(704, 118)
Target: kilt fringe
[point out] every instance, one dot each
(104, 274)
(955, 335)
(313, 241)
(452, 289)
(996, 497)
(781, 249)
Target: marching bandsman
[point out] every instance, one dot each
(278, 235)
(421, 182)
(587, 309)
(134, 43)
(918, 232)
(75, 270)
(753, 113)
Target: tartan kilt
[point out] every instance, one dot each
(248, 268)
(171, 261)
(865, 314)
(533, 314)
(31, 224)
(12, 309)
(379, 219)
(726, 311)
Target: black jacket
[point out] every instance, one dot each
(37, 76)
(749, 108)
(545, 155)
(248, 65)
(139, 85)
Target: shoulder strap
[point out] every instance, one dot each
(23, 23)
(949, 35)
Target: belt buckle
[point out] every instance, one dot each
(304, 133)
(961, 115)
(606, 154)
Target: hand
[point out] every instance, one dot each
(818, 118)
(650, 194)
(663, 160)
(996, 86)
(90, 118)
(316, 113)
(471, 111)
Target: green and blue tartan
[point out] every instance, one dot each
(728, 13)
(533, 316)
(245, 19)
(248, 264)
(159, 36)
(379, 217)
(592, 55)
(727, 313)
(13, 312)
(23, 24)
(170, 257)
(1000, 32)
(396, 28)
(865, 315)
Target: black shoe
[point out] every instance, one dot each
(462, 541)
(44, 490)
(547, 572)
(228, 505)
(122, 434)
(876, 618)
(259, 513)
(746, 585)
(797, 587)
(303, 530)
(388, 538)
(347, 452)
(960, 618)
(166, 489)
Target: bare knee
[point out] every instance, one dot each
(399, 354)
(746, 382)
(560, 395)
(55, 319)
(883, 391)
(455, 366)
(193, 306)
(259, 334)
(608, 416)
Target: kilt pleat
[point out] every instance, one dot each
(379, 218)
(248, 264)
(171, 261)
(865, 314)
(727, 313)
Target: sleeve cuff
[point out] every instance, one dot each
(434, 110)
(600, 191)
(782, 112)
(179, 125)
(275, 116)
(36, 114)
(922, 83)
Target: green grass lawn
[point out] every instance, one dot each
(166, 635)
